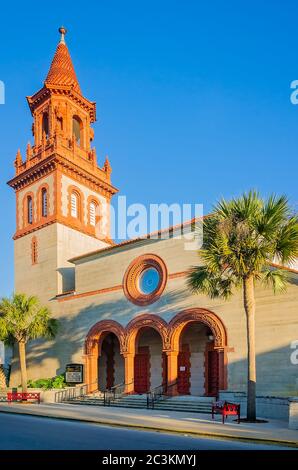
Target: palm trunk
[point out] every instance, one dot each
(2, 377)
(22, 354)
(249, 306)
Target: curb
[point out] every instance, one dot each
(216, 435)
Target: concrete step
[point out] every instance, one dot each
(186, 404)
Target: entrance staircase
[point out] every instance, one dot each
(186, 403)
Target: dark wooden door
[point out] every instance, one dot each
(213, 373)
(141, 372)
(183, 384)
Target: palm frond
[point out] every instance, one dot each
(275, 278)
(201, 280)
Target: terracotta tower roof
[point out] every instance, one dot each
(62, 71)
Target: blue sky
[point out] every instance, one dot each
(193, 97)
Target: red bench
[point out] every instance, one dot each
(20, 396)
(225, 409)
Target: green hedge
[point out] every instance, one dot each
(47, 384)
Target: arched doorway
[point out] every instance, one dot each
(199, 338)
(197, 361)
(148, 362)
(104, 360)
(147, 340)
(110, 363)
(187, 355)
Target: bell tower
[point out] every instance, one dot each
(62, 194)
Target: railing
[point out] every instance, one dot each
(72, 393)
(114, 393)
(159, 392)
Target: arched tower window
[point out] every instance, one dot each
(92, 213)
(44, 202)
(45, 124)
(77, 129)
(74, 203)
(29, 210)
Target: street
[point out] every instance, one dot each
(18, 432)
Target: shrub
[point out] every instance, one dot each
(47, 384)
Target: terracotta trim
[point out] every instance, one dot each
(170, 334)
(98, 217)
(285, 268)
(108, 289)
(87, 294)
(177, 275)
(79, 220)
(40, 217)
(202, 315)
(92, 177)
(34, 250)
(26, 224)
(133, 273)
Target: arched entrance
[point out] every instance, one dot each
(187, 355)
(148, 365)
(200, 338)
(104, 348)
(146, 339)
(110, 363)
(197, 361)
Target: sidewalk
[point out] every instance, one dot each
(274, 431)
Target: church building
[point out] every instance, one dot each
(124, 309)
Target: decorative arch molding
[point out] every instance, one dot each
(146, 321)
(40, 202)
(98, 332)
(79, 220)
(201, 315)
(170, 334)
(131, 279)
(25, 209)
(98, 212)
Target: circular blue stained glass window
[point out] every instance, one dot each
(149, 281)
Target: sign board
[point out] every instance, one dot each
(182, 368)
(74, 373)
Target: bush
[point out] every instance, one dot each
(47, 384)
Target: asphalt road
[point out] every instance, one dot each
(19, 432)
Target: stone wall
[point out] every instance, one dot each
(267, 407)
(101, 275)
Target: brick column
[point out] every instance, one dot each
(172, 372)
(92, 373)
(129, 372)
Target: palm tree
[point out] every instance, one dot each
(242, 238)
(23, 319)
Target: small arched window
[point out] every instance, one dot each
(29, 210)
(74, 205)
(77, 129)
(45, 125)
(92, 213)
(44, 202)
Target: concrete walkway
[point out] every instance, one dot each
(274, 431)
